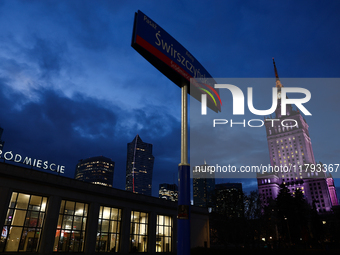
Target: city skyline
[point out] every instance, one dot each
(76, 78)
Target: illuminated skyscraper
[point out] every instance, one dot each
(168, 191)
(204, 186)
(228, 199)
(290, 145)
(97, 170)
(139, 167)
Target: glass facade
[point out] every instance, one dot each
(139, 232)
(108, 234)
(168, 191)
(203, 186)
(25, 218)
(23, 224)
(139, 167)
(164, 233)
(97, 170)
(70, 234)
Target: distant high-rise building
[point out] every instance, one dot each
(1, 142)
(139, 167)
(204, 185)
(228, 199)
(168, 191)
(97, 170)
(290, 146)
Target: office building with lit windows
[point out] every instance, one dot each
(203, 186)
(97, 170)
(290, 145)
(139, 167)
(45, 213)
(228, 199)
(168, 191)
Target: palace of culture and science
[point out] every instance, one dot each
(291, 147)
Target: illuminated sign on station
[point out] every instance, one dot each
(17, 158)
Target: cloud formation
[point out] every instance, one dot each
(72, 87)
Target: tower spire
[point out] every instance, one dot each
(278, 83)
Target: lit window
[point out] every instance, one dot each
(108, 229)
(70, 234)
(23, 223)
(139, 232)
(164, 234)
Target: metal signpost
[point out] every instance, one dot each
(176, 63)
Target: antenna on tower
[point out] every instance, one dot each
(278, 83)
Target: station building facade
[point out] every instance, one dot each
(45, 213)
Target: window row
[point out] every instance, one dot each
(284, 128)
(24, 223)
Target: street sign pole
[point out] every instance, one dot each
(183, 222)
(175, 62)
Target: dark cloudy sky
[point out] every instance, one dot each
(72, 86)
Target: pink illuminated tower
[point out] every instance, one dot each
(291, 146)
